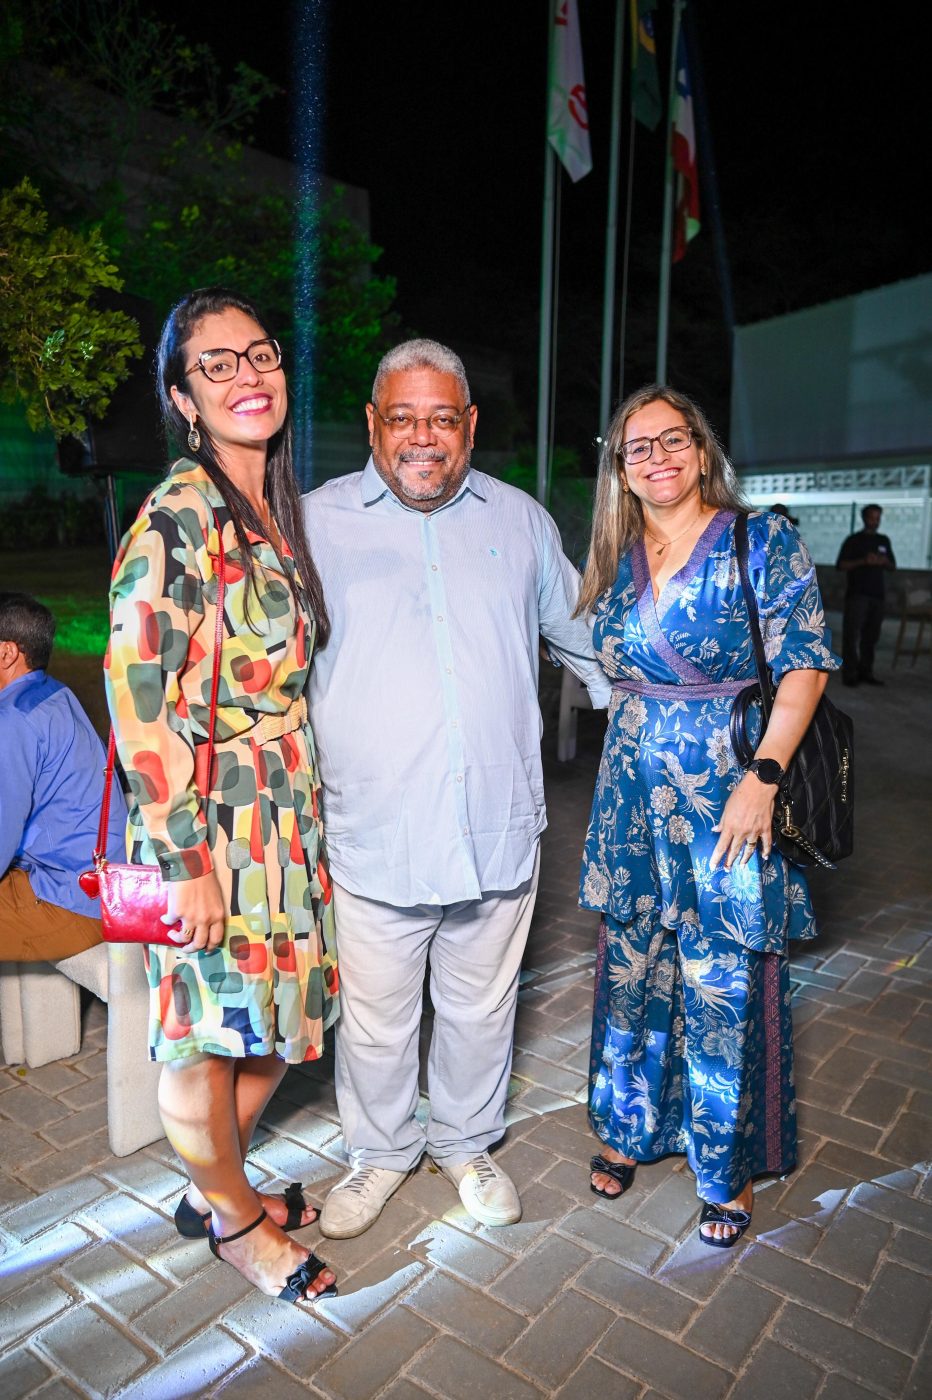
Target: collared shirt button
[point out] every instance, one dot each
(434, 567)
(448, 670)
(459, 777)
(454, 723)
(465, 830)
(440, 617)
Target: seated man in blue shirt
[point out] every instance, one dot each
(439, 582)
(51, 785)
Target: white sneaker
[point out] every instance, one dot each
(486, 1191)
(356, 1202)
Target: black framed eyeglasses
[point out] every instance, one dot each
(402, 424)
(219, 365)
(671, 440)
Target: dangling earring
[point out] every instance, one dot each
(702, 481)
(624, 485)
(194, 437)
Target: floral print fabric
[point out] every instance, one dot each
(272, 984)
(667, 766)
(692, 1037)
(692, 1052)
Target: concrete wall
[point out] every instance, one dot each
(836, 382)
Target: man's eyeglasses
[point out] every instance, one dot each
(671, 440)
(403, 424)
(218, 365)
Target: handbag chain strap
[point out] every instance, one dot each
(750, 599)
(214, 689)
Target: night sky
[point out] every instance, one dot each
(438, 110)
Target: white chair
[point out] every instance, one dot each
(573, 696)
(40, 1021)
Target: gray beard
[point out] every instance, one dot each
(416, 493)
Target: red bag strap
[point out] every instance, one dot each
(214, 689)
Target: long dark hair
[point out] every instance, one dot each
(617, 517)
(281, 489)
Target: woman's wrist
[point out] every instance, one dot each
(767, 771)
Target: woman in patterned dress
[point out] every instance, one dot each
(692, 1038)
(253, 986)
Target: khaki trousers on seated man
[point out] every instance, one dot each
(33, 930)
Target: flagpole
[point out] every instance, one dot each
(646, 108)
(625, 263)
(566, 134)
(611, 223)
(546, 289)
(666, 242)
(707, 173)
(546, 329)
(554, 330)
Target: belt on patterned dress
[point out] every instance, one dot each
(707, 690)
(274, 726)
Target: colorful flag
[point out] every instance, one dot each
(686, 224)
(568, 124)
(646, 105)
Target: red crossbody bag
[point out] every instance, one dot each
(133, 897)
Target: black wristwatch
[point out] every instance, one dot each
(767, 770)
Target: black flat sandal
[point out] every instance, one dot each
(618, 1171)
(739, 1220)
(297, 1283)
(194, 1226)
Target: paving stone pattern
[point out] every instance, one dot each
(829, 1297)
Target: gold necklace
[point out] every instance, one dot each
(663, 544)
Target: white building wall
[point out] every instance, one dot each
(828, 506)
(847, 379)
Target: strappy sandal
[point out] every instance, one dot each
(189, 1222)
(297, 1283)
(621, 1172)
(739, 1220)
(193, 1225)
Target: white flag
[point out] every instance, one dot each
(568, 125)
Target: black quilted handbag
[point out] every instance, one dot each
(813, 818)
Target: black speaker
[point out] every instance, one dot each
(129, 437)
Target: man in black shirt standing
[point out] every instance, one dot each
(865, 557)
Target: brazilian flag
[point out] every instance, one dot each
(646, 105)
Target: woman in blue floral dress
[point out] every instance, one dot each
(692, 1037)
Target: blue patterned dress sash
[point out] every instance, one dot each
(700, 690)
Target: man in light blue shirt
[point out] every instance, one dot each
(51, 786)
(439, 582)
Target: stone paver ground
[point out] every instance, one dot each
(829, 1297)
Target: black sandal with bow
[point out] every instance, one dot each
(622, 1172)
(193, 1225)
(738, 1220)
(298, 1283)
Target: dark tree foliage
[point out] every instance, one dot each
(129, 128)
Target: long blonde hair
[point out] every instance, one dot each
(617, 517)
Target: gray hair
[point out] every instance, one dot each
(420, 354)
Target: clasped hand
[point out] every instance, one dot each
(747, 818)
(197, 905)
